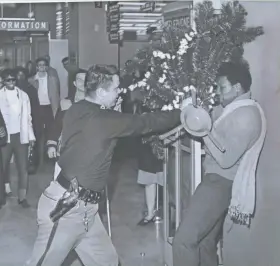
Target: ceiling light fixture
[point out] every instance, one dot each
(133, 28)
(138, 4)
(136, 8)
(126, 24)
(142, 14)
(138, 20)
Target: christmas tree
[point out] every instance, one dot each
(185, 60)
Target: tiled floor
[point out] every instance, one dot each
(18, 227)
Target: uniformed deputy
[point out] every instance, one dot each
(90, 132)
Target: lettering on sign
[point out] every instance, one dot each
(114, 27)
(114, 8)
(113, 19)
(114, 37)
(148, 7)
(6, 25)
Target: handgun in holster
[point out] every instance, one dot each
(67, 202)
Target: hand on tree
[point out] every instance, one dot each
(186, 102)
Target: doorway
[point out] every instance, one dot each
(17, 48)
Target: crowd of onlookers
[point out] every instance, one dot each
(29, 102)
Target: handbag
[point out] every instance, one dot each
(32, 160)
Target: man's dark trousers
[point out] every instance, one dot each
(195, 242)
(2, 182)
(20, 152)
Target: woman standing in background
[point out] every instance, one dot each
(150, 175)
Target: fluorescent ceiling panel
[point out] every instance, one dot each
(142, 14)
(141, 25)
(135, 9)
(133, 28)
(141, 19)
(138, 25)
(138, 20)
(139, 4)
(126, 24)
(130, 3)
(133, 25)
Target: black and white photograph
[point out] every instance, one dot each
(139, 133)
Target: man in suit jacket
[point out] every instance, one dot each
(49, 98)
(52, 71)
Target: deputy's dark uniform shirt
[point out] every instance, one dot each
(89, 136)
(56, 129)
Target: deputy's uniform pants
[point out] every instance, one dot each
(55, 241)
(195, 242)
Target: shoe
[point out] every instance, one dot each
(9, 194)
(2, 203)
(146, 221)
(24, 204)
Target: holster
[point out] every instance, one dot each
(67, 202)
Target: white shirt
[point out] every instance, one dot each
(57, 170)
(43, 90)
(14, 111)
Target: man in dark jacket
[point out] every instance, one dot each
(3, 141)
(90, 132)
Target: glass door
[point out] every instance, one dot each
(15, 54)
(22, 53)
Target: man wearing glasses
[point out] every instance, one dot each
(16, 111)
(49, 99)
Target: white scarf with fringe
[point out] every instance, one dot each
(243, 199)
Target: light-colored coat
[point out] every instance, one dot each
(26, 128)
(53, 90)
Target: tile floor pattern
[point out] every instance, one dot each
(18, 226)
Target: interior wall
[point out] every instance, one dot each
(20, 11)
(259, 244)
(58, 49)
(94, 47)
(46, 12)
(73, 36)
